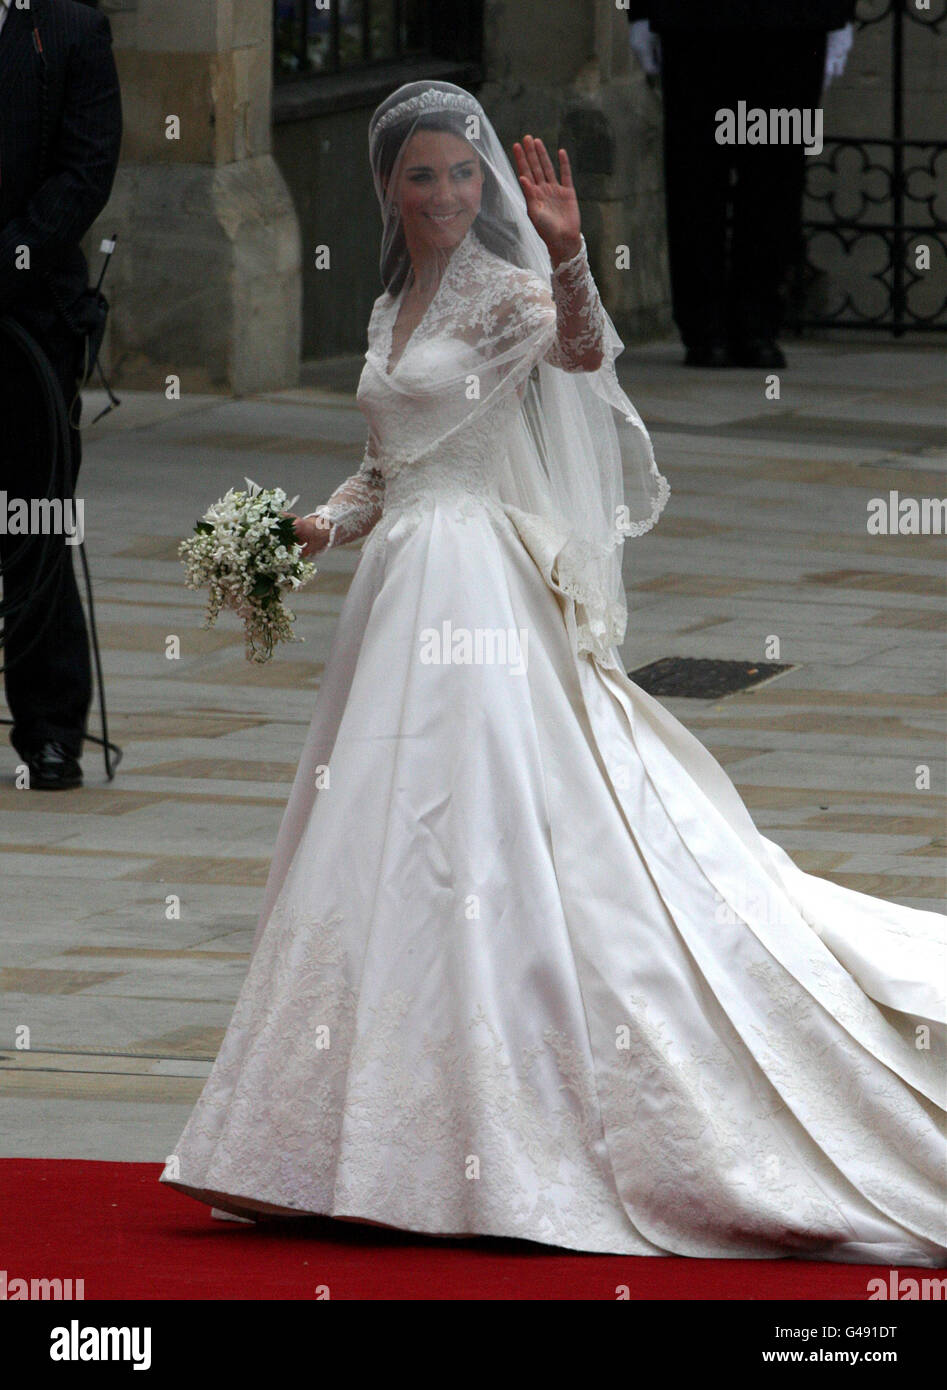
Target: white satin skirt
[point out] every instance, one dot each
(525, 967)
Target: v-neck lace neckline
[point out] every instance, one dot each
(462, 249)
(392, 367)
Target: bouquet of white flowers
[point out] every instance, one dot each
(245, 552)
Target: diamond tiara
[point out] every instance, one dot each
(430, 100)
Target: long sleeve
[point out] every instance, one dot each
(579, 344)
(566, 320)
(356, 505)
(83, 158)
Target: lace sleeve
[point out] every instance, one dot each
(579, 345)
(572, 313)
(355, 506)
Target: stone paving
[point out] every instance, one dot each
(765, 535)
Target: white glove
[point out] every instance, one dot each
(645, 46)
(837, 48)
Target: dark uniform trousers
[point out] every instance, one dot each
(722, 291)
(47, 671)
(60, 136)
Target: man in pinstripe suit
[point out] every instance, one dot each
(57, 74)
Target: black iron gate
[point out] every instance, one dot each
(874, 231)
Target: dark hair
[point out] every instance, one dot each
(497, 232)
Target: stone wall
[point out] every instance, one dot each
(205, 284)
(565, 72)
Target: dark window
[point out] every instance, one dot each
(312, 37)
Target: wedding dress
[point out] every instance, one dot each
(525, 967)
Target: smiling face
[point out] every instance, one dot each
(439, 189)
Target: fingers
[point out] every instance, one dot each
(533, 162)
(534, 165)
(523, 166)
(310, 544)
(522, 169)
(546, 163)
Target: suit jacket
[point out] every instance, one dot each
(51, 210)
(704, 15)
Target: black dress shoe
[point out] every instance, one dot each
(712, 354)
(52, 769)
(758, 352)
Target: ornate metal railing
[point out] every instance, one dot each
(879, 202)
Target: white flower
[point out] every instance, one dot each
(234, 552)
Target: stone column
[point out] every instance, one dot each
(206, 280)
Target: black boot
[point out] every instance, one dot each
(758, 352)
(713, 353)
(52, 768)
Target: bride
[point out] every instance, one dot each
(525, 967)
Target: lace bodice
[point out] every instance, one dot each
(404, 408)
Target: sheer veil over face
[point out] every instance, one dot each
(462, 258)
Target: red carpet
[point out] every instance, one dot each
(129, 1237)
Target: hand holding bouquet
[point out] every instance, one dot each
(245, 552)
